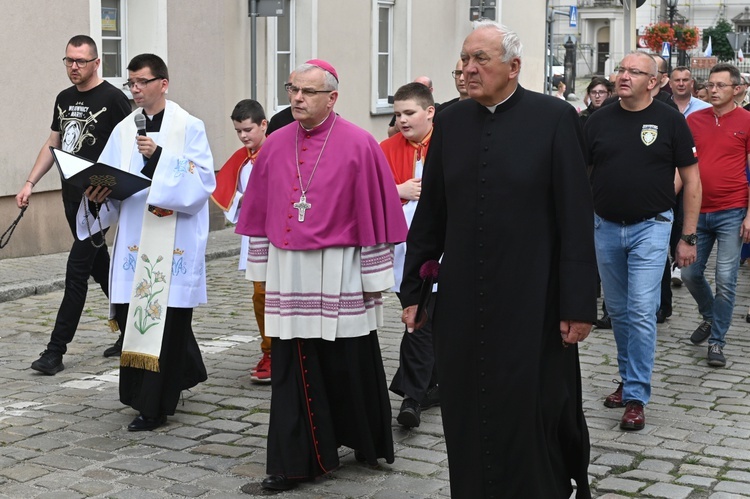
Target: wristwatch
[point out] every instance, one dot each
(691, 239)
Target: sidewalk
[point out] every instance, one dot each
(36, 275)
(63, 436)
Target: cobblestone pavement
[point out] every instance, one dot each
(63, 436)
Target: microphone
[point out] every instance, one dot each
(140, 124)
(428, 272)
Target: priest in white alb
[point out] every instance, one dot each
(322, 222)
(157, 272)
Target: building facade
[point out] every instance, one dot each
(599, 33)
(376, 46)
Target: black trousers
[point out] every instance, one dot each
(674, 238)
(416, 371)
(84, 260)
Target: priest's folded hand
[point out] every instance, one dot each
(409, 317)
(574, 331)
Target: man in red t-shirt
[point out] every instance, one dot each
(722, 140)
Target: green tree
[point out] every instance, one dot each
(719, 43)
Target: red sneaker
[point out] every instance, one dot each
(262, 372)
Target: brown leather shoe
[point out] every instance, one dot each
(634, 417)
(614, 399)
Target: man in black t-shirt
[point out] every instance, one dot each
(83, 117)
(633, 149)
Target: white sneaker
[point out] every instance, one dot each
(676, 277)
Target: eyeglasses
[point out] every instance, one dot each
(633, 72)
(720, 85)
(307, 92)
(139, 84)
(597, 93)
(81, 63)
(457, 73)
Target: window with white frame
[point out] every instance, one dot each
(284, 56)
(383, 44)
(113, 42)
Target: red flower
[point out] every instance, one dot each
(657, 34)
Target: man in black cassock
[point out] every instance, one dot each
(506, 203)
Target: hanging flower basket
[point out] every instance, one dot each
(680, 36)
(657, 34)
(687, 37)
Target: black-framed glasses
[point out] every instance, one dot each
(81, 63)
(720, 86)
(307, 92)
(597, 93)
(457, 73)
(139, 84)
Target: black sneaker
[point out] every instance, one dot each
(49, 363)
(701, 334)
(716, 356)
(431, 399)
(409, 413)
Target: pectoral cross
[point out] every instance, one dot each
(301, 206)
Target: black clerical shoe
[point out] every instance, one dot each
(662, 314)
(142, 423)
(409, 413)
(49, 363)
(279, 482)
(114, 350)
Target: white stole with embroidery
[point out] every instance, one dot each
(144, 328)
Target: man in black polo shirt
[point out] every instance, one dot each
(633, 149)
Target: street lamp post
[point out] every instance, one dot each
(672, 6)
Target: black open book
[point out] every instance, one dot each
(82, 173)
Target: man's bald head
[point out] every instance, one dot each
(424, 80)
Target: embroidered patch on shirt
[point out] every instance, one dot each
(649, 134)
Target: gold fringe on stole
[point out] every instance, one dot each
(140, 361)
(113, 325)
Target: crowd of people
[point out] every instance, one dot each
(705, 204)
(631, 194)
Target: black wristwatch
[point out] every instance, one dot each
(691, 239)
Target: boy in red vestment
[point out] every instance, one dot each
(416, 377)
(250, 123)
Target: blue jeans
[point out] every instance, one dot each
(722, 227)
(631, 263)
